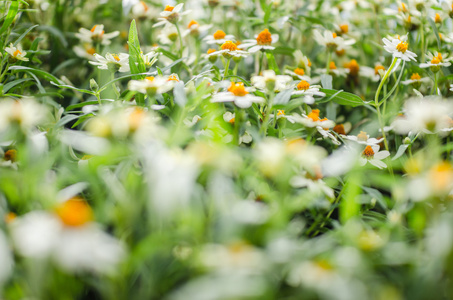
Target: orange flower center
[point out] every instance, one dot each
(94, 28)
(441, 177)
(334, 35)
(10, 217)
(219, 34)
(169, 8)
(314, 115)
(172, 78)
(11, 155)
(402, 8)
(280, 112)
(437, 18)
(339, 129)
(229, 45)
(362, 136)
(238, 89)
(402, 47)
(309, 62)
(150, 78)
(91, 51)
(377, 68)
(353, 67)
(116, 57)
(192, 23)
(299, 71)
(231, 121)
(16, 53)
(344, 28)
(415, 76)
(368, 152)
(435, 61)
(211, 51)
(264, 37)
(74, 212)
(136, 118)
(303, 85)
(332, 65)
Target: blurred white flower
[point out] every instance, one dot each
(219, 37)
(171, 15)
(271, 82)
(25, 113)
(238, 94)
(96, 35)
(372, 155)
(363, 138)
(16, 52)
(112, 62)
(263, 41)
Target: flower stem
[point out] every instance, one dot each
(436, 77)
(268, 114)
(384, 79)
(180, 40)
(227, 67)
(328, 62)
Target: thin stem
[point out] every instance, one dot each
(422, 39)
(436, 77)
(227, 67)
(180, 40)
(268, 113)
(328, 61)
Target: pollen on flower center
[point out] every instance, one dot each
(377, 68)
(368, 152)
(91, 51)
(402, 47)
(339, 129)
(229, 45)
(16, 53)
(353, 67)
(211, 51)
(299, 71)
(116, 57)
(314, 115)
(334, 35)
(74, 212)
(280, 112)
(219, 34)
(238, 89)
(332, 65)
(264, 37)
(303, 85)
(172, 78)
(415, 76)
(437, 18)
(150, 78)
(169, 8)
(362, 136)
(11, 155)
(344, 28)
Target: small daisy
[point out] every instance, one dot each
(327, 134)
(269, 81)
(398, 47)
(238, 94)
(298, 74)
(262, 41)
(16, 52)
(363, 138)
(229, 50)
(332, 41)
(282, 115)
(303, 88)
(435, 62)
(219, 37)
(149, 58)
(86, 51)
(313, 120)
(168, 35)
(372, 155)
(315, 185)
(196, 29)
(152, 85)
(334, 70)
(302, 62)
(375, 74)
(171, 15)
(447, 6)
(416, 80)
(96, 35)
(112, 62)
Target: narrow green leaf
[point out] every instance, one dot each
(41, 73)
(12, 84)
(24, 34)
(13, 8)
(342, 98)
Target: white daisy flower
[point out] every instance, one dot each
(141, 10)
(327, 134)
(16, 52)
(334, 70)
(314, 185)
(281, 114)
(25, 113)
(435, 61)
(416, 80)
(219, 37)
(238, 94)
(298, 73)
(171, 14)
(372, 155)
(426, 115)
(269, 81)
(362, 138)
(152, 85)
(398, 47)
(375, 74)
(262, 41)
(303, 88)
(149, 58)
(86, 51)
(168, 35)
(302, 62)
(112, 62)
(229, 50)
(69, 237)
(96, 35)
(332, 41)
(313, 120)
(195, 29)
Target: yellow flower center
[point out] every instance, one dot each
(415, 76)
(439, 56)
(238, 89)
(280, 112)
(368, 152)
(91, 51)
(353, 67)
(219, 34)
(377, 68)
(402, 47)
(16, 53)
(211, 51)
(169, 8)
(172, 78)
(229, 45)
(303, 85)
(314, 115)
(362, 136)
(299, 71)
(150, 78)
(435, 61)
(136, 118)
(334, 35)
(116, 57)
(437, 18)
(332, 65)
(344, 28)
(264, 37)
(441, 177)
(10, 217)
(192, 23)
(74, 212)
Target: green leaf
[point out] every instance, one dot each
(272, 63)
(41, 73)
(12, 84)
(13, 8)
(342, 98)
(24, 34)
(65, 86)
(267, 14)
(79, 105)
(56, 33)
(436, 33)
